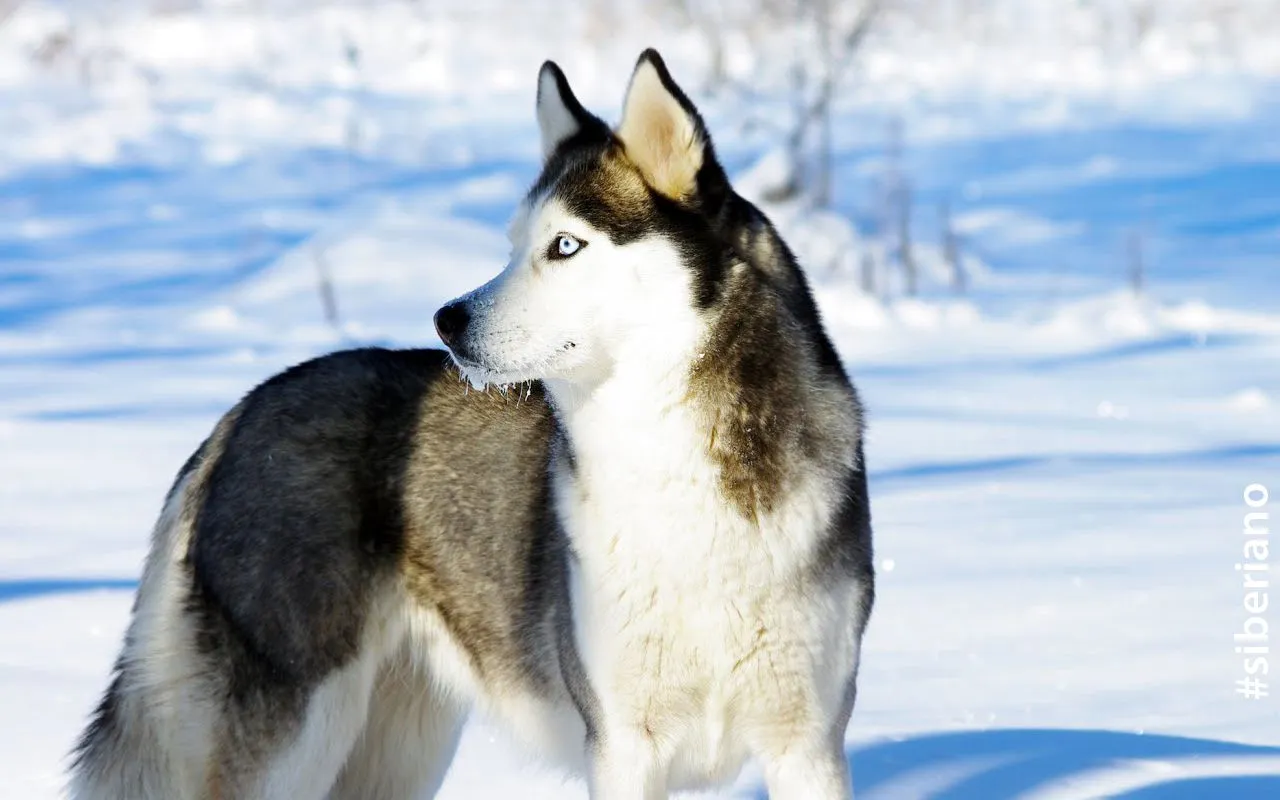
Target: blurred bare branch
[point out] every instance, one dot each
(823, 38)
(951, 251)
(328, 296)
(7, 8)
(867, 279)
(906, 254)
(1136, 261)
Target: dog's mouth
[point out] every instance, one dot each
(477, 373)
(482, 372)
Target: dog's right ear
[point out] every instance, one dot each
(560, 115)
(663, 134)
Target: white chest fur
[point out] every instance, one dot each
(700, 626)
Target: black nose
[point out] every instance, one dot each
(451, 321)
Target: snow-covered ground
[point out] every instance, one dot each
(1058, 465)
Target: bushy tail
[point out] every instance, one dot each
(125, 752)
(119, 757)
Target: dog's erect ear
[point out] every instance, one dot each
(560, 115)
(661, 130)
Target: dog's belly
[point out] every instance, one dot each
(535, 711)
(547, 726)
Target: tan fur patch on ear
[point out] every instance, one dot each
(660, 138)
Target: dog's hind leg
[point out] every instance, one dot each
(410, 738)
(307, 764)
(307, 767)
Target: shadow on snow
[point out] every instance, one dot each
(27, 588)
(1014, 763)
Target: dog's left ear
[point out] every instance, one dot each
(662, 132)
(560, 116)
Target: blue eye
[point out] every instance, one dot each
(566, 245)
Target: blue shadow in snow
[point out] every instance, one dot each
(27, 588)
(214, 232)
(1021, 760)
(1169, 344)
(1078, 460)
(1203, 788)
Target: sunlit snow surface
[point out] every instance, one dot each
(1057, 465)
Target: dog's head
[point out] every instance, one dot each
(617, 248)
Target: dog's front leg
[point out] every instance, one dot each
(802, 772)
(625, 766)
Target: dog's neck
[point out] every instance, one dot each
(740, 396)
(642, 392)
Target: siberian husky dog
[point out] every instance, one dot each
(637, 534)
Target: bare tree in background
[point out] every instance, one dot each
(821, 40)
(705, 16)
(867, 279)
(803, 54)
(840, 36)
(1137, 262)
(718, 22)
(836, 31)
(7, 7)
(906, 255)
(895, 199)
(328, 296)
(951, 251)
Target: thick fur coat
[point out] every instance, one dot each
(626, 517)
